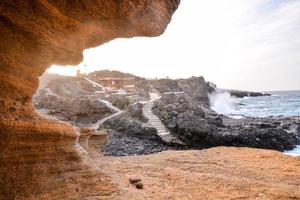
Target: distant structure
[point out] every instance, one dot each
(112, 81)
(79, 74)
(118, 83)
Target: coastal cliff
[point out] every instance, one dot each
(40, 157)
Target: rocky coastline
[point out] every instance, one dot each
(242, 94)
(183, 108)
(203, 128)
(45, 158)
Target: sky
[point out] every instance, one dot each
(237, 44)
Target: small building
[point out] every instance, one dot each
(129, 88)
(117, 83)
(79, 74)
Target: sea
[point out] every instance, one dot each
(280, 103)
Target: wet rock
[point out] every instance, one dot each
(242, 94)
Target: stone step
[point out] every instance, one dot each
(164, 134)
(156, 123)
(154, 119)
(160, 128)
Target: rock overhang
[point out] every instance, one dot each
(38, 154)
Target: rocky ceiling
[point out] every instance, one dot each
(39, 157)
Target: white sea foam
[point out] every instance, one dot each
(222, 103)
(279, 104)
(294, 152)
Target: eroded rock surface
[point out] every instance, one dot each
(38, 157)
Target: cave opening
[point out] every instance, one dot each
(106, 107)
(40, 158)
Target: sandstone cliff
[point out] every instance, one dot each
(38, 156)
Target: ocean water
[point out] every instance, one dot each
(285, 103)
(281, 103)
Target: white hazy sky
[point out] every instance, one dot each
(240, 44)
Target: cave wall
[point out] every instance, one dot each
(39, 157)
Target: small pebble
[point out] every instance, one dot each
(139, 185)
(137, 182)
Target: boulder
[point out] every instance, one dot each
(119, 101)
(127, 125)
(136, 112)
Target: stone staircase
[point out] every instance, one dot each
(162, 131)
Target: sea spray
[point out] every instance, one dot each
(223, 102)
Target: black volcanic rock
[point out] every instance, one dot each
(119, 101)
(269, 133)
(128, 135)
(132, 123)
(120, 144)
(166, 85)
(187, 115)
(70, 99)
(185, 118)
(199, 127)
(136, 112)
(241, 94)
(196, 88)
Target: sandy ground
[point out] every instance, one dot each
(216, 173)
